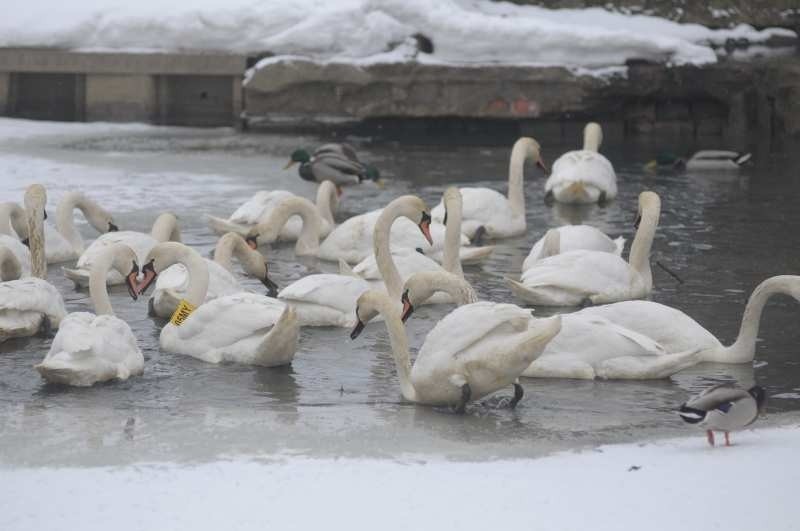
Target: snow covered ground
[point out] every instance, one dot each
(463, 31)
(671, 484)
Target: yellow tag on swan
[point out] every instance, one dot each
(183, 311)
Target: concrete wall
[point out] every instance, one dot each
(120, 97)
(5, 79)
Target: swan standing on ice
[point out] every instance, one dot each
(489, 212)
(724, 408)
(262, 203)
(572, 238)
(572, 278)
(583, 176)
(474, 351)
(330, 300)
(96, 347)
(64, 243)
(172, 283)
(165, 228)
(587, 347)
(28, 305)
(241, 328)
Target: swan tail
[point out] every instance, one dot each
(743, 158)
(79, 276)
(620, 243)
(551, 245)
(474, 255)
(280, 344)
(223, 226)
(647, 367)
(519, 289)
(345, 269)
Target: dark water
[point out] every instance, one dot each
(721, 233)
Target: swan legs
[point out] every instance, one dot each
(466, 394)
(518, 393)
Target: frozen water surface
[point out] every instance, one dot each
(722, 234)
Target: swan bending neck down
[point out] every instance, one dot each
(252, 261)
(240, 328)
(10, 266)
(97, 217)
(268, 230)
(421, 286)
(94, 348)
(474, 351)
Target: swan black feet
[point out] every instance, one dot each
(477, 238)
(518, 394)
(466, 393)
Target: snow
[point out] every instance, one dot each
(671, 484)
(364, 31)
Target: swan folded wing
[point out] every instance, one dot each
(140, 242)
(229, 319)
(336, 291)
(587, 167)
(32, 295)
(351, 240)
(83, 336)
(482, 206)
(468, 325)
(408, 261)
(582, 272)
(254, 208)
(20, 251)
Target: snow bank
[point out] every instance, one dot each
(463, 31)
(674, 484)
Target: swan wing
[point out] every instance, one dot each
(140, 242)
(577, 237)
(588, 167)
(352, 240)
(32, 295)
(251, 211)
(335, 291)
(57, 248)
(408, 261)
(20, 251)
(480, 207)
(580, 272)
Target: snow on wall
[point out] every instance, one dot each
(472, 31)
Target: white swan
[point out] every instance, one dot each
(22, 257)
(475, 350)
(96, 347)
(572, 278)
(241, 328)
(583, 176)
(171, 284)
(409, 261)
(330, 300)
(64, 242)
(261, 204)
(30, 304)
(588, 346)
(677, 331)
(165, 228)
(490, 211)
(707, 159)
(571, 238)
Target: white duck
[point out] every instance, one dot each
(589, 346)
(30, 304)
(677, 331)
(583, 176)
(171, 284)
(572, 278)
(64, 242)
(165, 228)
(262, 203)
(96, 347)
(571, 238)
(475, 350)
(241, 328)
(489, 212)
(409, 261)
(330, 300)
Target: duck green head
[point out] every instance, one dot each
(298, 155)
(371, 172)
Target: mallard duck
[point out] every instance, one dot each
(708, 159)
(724, 408)
(334, 162)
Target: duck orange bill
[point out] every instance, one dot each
(131, 282)
(357, 330)
(289, 164)
(543, 166)
(149, 277)
(252, 242)
(425, 227)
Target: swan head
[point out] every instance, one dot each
(298, 155)
(452, 200)
(415, 209)
(649, 207)
(368, 306)
(421, 286)
(158, 259)
(272, 288)
(124, 260)
(531, 150)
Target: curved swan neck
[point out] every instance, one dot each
(10, 268)
(65, 223)
(327, 201)
(381, 236)
(639, 257)
(232, 244)
(35, 199)
(169, 253)
(421, 286)
(592, 137)
(743, 349)
(390, 311)
(165, 228)
(118, 256)
(516, 193)
(451, 261)
(308, 241)
(12, 216)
